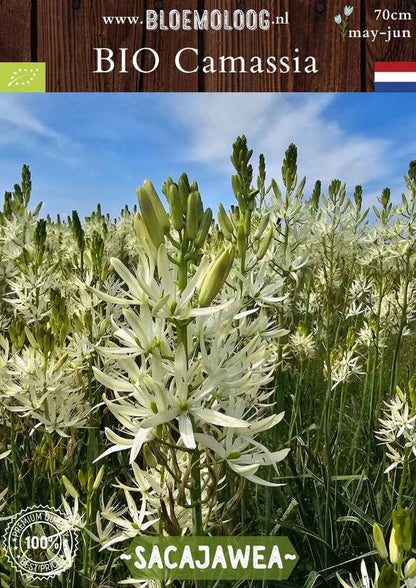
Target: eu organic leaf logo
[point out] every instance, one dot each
(23, 76)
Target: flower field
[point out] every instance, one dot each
(187, 371)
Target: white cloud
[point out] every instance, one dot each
(13, 112)
(327, 149)
(19, 126)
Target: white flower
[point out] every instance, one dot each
(72, 519)
(140, 520)
(398, 430)
(47, 391)
(177, 402)
(163, 295)
(259, 286)
(348, 10)
(243, 454)
(105, 528)
(338, 19)
(302, 344)
(364, 582)
(345, 365)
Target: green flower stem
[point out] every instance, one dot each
(403, 477)
(343, 404)
(296, 404)
(403, 320)
(196, 498)
(52, 469)
(182, 337)
(374, 395)
(86, 555)
(196, 493)
(16, 489)
(92, 452)
(399, 571)
(15, 461)
(183, 268)
(328, 456)
(174, 446)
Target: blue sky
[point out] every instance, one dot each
(89, 148)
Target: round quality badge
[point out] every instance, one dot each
(40, 542)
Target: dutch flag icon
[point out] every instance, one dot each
(395, 76)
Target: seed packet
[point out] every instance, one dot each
(208, 294)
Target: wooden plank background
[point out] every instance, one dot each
(16, 38)
(64, 33)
